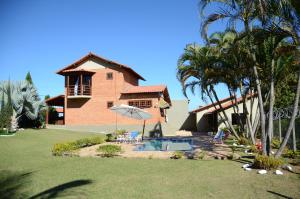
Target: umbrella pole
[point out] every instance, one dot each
(143, 130)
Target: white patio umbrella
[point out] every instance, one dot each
(132, 112)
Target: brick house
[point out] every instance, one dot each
(93, 84)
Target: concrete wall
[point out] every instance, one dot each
(179, 118)
(202, 121)
(230, 111)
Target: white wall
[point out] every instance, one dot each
(202, 124)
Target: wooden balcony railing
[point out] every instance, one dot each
(73, 90)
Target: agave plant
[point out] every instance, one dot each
(24, 98)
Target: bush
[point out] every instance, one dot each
(110, 138)
(199, 155)
(63, 148)
(275, 143)
(120, 132)
(253, 149)
(177, 155)
(109, 150)
(244, 141)
(267, 162)
(291, 154)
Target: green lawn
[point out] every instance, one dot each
(28, 169)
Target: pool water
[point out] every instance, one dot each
(166, 145)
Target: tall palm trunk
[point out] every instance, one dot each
(225, 115)
(292, 121)
(262, 112)
(248, 120)
(271, 107)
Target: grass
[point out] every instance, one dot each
(27, 169)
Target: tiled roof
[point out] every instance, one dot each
(144, 89)
(225, 103)
(77, 70)
(92, 55)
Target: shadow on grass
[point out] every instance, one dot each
(62, 190)
(243, 161)
(13, 184)
(280, 195)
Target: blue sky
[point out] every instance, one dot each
(149, 36)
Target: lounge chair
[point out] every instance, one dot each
(132, 137)
(218, 138)
(121, 138)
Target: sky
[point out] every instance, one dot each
(149, 36)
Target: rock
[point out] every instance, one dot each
(247, 169)
(272, 152)
(262, 171)
(278, 172)
(246, 166)
(241, 145)
(288, 167)
(234, 144)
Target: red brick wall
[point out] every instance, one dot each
(94, 111)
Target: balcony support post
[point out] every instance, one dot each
(81, 86)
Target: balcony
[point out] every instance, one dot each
(79, 91)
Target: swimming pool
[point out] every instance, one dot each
(166, 145)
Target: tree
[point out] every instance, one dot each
(28, 78)
(265, 24)
(199, 64)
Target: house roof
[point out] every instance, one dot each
(149, 89)
(225, 103)
(77, 70)
(56, 101)
(92, 55)
(144, 89)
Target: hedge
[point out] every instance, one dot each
(60, 149)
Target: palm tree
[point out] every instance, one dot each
(198, 63)
(266, 14)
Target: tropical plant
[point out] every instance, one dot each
(109, 150)
(269, 40)
(20, 98)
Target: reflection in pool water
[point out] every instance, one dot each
(166, 145)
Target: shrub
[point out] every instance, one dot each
(120, 131)
(244, 141)
(267, 162)
(177, 155)
(275, 143)
(110, 137)
(253, 149)
(199, 155)
(109, 150)
(291, 154)
(63, 148)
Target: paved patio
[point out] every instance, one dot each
(201, 142)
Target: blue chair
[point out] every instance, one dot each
(218, 137)
(133, 136)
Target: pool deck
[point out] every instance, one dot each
(201, 142)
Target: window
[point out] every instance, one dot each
(110, 104)
(141, 103)
(236, 118)
(109, 76)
